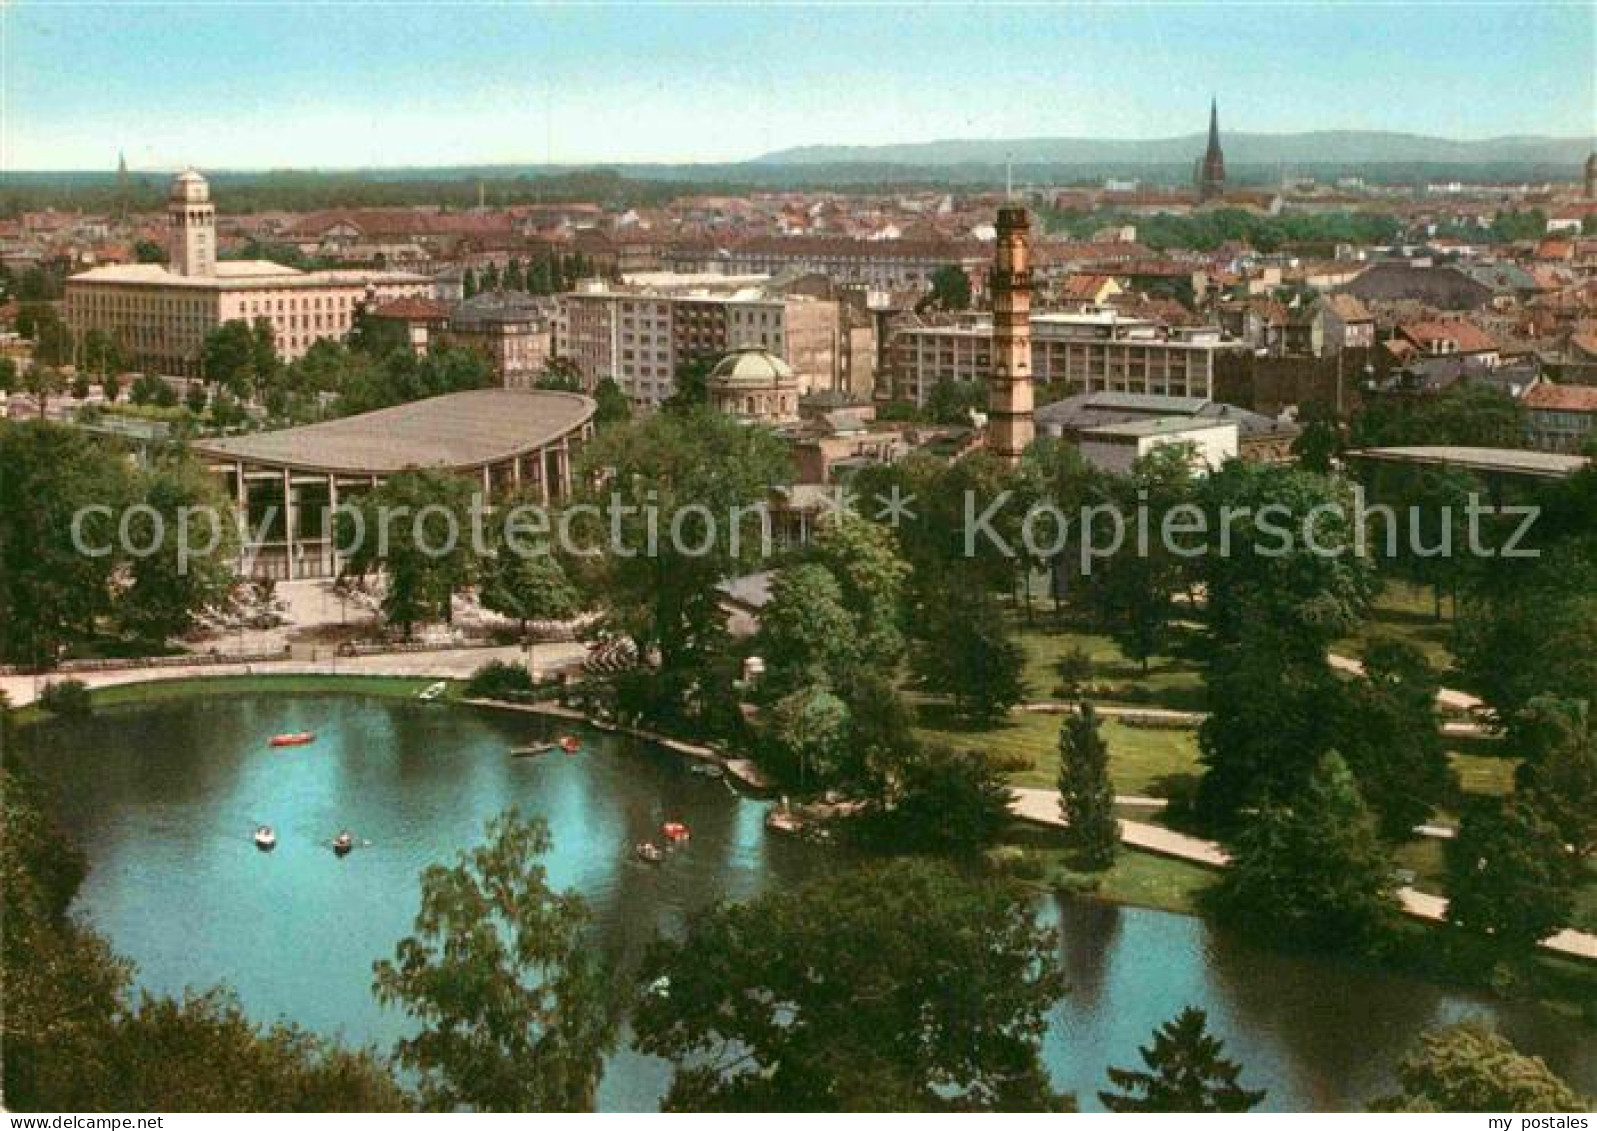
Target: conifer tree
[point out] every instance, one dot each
(1086, 795)
(1186, 1073)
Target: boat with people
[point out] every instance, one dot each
(299, 738)
(265, 838)
(649, 853)
(783, 820)
(675, 832)
(343, 843)
(531, 750)
(433, 691)
(570, 743)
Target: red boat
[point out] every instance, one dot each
(569, 744)
(303, 738)
(674, 831)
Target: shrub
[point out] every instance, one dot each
(68, 698)
(499, 680)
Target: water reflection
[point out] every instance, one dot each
(164, 798)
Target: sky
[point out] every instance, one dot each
(344, 84)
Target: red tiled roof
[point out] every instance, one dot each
(1467, 337)
(1562, 398)
(412, 310)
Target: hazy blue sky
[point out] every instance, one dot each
(279, 84)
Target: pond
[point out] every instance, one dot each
(163, 799)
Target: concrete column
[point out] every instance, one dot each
(331, 524)
(290, 517)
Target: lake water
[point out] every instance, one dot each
(164, 798)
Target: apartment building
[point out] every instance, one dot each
(639, 336)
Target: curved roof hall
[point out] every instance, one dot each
(463, 431)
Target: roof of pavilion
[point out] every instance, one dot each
(454, 432)
(1504, 461)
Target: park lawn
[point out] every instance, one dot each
(1405, 612)
(1141, 879)
(1026, 745)
(1169, 682)
(1147, 880)
(1488, 774)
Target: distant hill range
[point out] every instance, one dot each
(1351, 149)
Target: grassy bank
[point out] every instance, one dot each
(159, 691)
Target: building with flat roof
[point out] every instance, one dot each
(1117, 447)
(287, 484)
(1094, 351)
(160, 314)
(639, 335)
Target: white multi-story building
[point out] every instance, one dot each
(639, 334)
(160, 314)
(1085, 353)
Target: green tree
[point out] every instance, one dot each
(1509, 874)
(1320, 440)
(1311, 870)
(50, 593)
(190, 568)
(950, 289)
(691, 387)
(952, 802)
(951, 402)
(229, 358)
(561, 374)
(1390, 736)
(1467, 1067)
(872, 580)
(10, 379)
(414, 529)
(528, 586)
(1133, 593)
(1086, 795)
(41, 382)
(1186, 1072)
(501, 977)
(893, 987)
(666, 473)
(614, 406)
(809, 729)
(966, 651)
(1270, 695)
(1558, 776)
(806, 634)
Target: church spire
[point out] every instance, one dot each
(1211, 170)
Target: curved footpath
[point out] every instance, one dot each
(1038, 806)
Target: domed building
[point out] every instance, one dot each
(754, 384)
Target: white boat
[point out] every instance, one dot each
(343, 842)
(265, 838)
(432, 691)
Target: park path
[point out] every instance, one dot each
(1041, 806)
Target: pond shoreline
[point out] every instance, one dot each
(743, 771)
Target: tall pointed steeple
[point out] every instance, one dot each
(1211, 171)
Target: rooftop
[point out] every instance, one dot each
(1159, 426)
(254, 273)
(1509, 461)
(456, 432)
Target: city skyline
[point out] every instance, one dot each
(230, 88)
